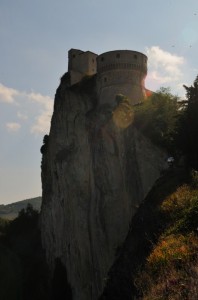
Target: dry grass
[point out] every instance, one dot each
(182, 199)
(171, 269)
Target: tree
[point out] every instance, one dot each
(187, 132)
(28, 212)
(156, 118)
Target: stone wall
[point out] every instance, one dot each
(122, 59)
(121, 72)
(81, 64)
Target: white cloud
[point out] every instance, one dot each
(38, 109)
(36, 97)
(42, 123)
(165, 68)
(7, 94)
(13, 127)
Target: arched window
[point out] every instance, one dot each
(118, 55)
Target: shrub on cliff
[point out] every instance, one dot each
(156, 118)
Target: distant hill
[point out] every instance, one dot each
(10, 211)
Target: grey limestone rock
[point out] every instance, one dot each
(95, 174)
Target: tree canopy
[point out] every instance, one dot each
(156, 118)
(187, 131)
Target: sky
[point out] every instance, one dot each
(35, 37)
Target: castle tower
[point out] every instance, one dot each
(80, 64)
(121, 72)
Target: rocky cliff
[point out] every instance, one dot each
(96, 170)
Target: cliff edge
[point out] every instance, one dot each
(96, 170)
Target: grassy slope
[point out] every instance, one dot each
(171, 269)
(161, 245)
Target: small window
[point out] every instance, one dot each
(102, 58)
(105, 79)
(73, 55)
(93, 60)
(118, 55)
(135, 56)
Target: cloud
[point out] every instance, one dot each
(7, 94)
(42, 121)
(36, 97)
(13, 127)
(165, 68)
(38, 109)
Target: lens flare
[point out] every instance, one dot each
(123, 114)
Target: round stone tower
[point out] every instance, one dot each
(121, 72)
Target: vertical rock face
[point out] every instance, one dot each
(95, 173)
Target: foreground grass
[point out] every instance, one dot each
(171, 269)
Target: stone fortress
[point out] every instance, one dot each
(118, 72)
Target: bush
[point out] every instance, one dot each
(157, 117)
(171, 269)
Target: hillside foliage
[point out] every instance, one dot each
(187, 127)
(170, 123)
(171, 268)
(157, 117)
(23, 271)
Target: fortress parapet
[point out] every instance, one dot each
(121, 72)
(122, 59)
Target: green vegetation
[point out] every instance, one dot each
(3, 226)
(23, 271)
(157, 118)
(45, 144)
(171, 268)
(10, 211)
(187, 130)
(170, 123)
(10, 274)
